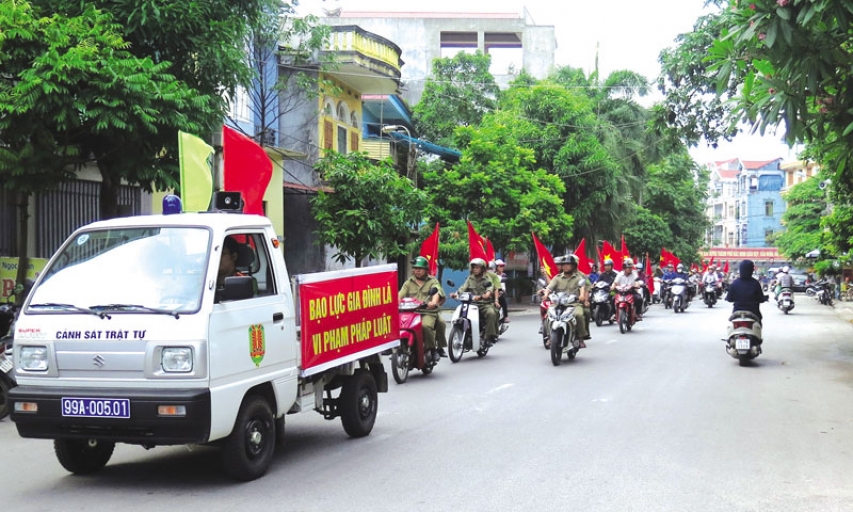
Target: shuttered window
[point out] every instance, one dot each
(328, 135)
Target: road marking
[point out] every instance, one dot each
(500, 388)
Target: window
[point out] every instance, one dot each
(328, 135)
(239, 106)
(768, 208)
(253, 259)
(353, 120)
(342, 140)
(342, 112)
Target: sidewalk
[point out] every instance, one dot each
(844, 310)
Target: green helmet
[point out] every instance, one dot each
(420, 262)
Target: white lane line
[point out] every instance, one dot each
(500, 388)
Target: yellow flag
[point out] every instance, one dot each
(196, 178)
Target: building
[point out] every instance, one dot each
(745, 203)
(512, 39)
(799, 171)
(330, 117)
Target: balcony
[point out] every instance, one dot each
(366, 62)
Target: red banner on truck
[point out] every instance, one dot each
(346, 315)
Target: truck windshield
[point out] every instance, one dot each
(160, 268)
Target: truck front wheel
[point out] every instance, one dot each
(81, 456)
(248, 451)
(359, 402)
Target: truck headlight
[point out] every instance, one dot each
(177, 359)
(33, 358)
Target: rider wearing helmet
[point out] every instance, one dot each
(573, 281)
(484, 291)
(609, 274)
(500, 265)
(783, 280)
(629, 277)
(419, 286)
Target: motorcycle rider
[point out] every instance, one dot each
(418, 287)
(783, 280)
(500, 265)
(609, 274)
(483, 288)
(629, 277)
(573, 281)
(745, 291)
(593, 276)
(645, 287)
(711, 277)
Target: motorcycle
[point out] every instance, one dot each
(656, 298)
(824, 294)
(743, 341)
(678, 292)
(7, 368)
(503, 324)
(602, 309)
(411, 354)
(466, 334)
(709, 294)
(625, 312)
(560, 328)
(785, 300)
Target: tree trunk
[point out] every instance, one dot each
(109, 193)
(23, 203)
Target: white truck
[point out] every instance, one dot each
(132, 334)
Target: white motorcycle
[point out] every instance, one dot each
(465, 332)
(743, 341)
(679, 294)
(656, 298)
(785, 300)
(560, 327)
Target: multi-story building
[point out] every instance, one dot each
(745, 203)
(512, 39)
(330, 117)
(799, 171)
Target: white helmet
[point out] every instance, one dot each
(785, 269)
(499, 262)
(477, 261)
(639, 266)
(680, 267)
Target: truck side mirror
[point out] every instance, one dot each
(237, 288)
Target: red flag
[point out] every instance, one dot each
(429, 250)
(490, 251)
(667, 257)
(712, 261)
(726, 268)
(546, 261)
(476, 245)
(584, 263)
(624, 252)
(246, 169)
(610, 252)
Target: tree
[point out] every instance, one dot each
(134, 137)
(647, 233)
(497, 186)
(67, 82)
(459, 93)
(371, 209)
(802, 234)
(676, 192)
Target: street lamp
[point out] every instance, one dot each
(410, 168)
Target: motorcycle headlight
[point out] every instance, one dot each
(177, 359)
(34, 358)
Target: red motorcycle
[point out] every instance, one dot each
(626, 315)
(544, 304)
(411, 354)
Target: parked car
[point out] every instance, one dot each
(800, 277)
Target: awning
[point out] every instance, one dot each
(813, 254)
(428, 147)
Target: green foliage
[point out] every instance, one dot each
(370, 212)
(647, 233)
(78, 91)
(802, 233)
(496, 186)
(676, 192)
(459, 93)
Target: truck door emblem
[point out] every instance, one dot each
(257, 344)
(99, 361)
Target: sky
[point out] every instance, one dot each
(628, 34)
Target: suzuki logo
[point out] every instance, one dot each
(99, 361)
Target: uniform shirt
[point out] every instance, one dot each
(478, 286)
(571, 284)
(411, 288)
(496, 279)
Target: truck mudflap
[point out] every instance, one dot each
(148, 417)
